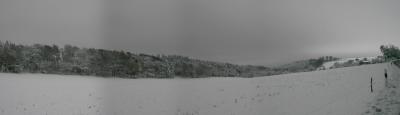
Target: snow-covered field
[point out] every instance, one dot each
(344, 91)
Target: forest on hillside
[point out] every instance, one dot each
(72, 60)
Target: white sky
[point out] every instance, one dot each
(237, 31)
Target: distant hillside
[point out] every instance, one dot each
(348, 62)
(307, 65)
(73, 60)
(390, 53)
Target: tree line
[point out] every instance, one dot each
(72, 60)
(391, 52)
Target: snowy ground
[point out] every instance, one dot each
(344, 91)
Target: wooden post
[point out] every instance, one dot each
(372, 90)
(386, 75)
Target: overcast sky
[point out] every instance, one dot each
(237, 31)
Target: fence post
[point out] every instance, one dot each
(372, 90)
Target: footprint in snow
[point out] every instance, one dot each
(215, 106)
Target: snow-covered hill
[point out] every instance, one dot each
(343, 91)
(330, 64)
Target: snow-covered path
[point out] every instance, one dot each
(388, 100)
(344, 91)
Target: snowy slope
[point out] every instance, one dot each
(327, 65)
(344, 91)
